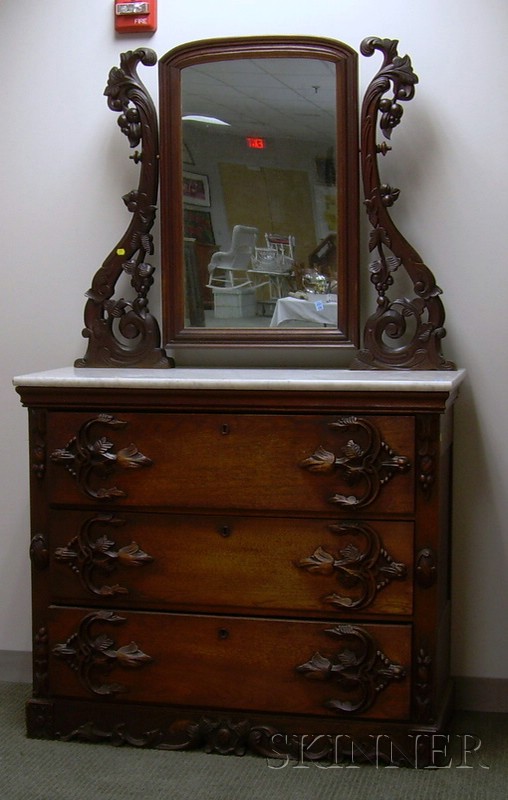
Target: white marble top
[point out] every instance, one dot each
(236, 379)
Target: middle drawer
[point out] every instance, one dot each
(232, 563)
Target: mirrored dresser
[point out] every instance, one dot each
(250, 559)
(242, 559)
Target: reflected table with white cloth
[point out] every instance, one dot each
(321, 310)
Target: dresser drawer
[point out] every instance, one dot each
(211, 662)
(233, 461)
(229, 563)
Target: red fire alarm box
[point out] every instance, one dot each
(136, 17)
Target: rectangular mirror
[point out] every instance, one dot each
(259, 193)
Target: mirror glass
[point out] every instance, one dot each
(259, 197)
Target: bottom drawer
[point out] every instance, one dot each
(238, 663)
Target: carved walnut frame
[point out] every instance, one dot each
(402, 334)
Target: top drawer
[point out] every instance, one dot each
(232, 461)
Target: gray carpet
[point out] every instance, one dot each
(39, 770)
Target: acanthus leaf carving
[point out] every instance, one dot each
(87, 458)
(221, 735)
(88, 558)
(90, 656)
(117, 735)
(372, 465)
(236, 737)
(359, 669)
(362, 568)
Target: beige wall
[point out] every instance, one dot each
(64, 167)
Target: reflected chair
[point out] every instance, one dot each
(272, 265)
(277, 256)
(228, 268)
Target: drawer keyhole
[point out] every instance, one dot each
(225, 531)
(224, 429)
(223, 633)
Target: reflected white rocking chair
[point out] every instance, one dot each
(228, 268)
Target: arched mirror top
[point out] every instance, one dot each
(259, 205)
(259, 193)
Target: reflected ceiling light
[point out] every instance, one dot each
(201, 118)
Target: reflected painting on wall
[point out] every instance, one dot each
(198, 225)
(196, 189)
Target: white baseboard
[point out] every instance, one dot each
(481, 694)
(15, 666)
(471, 694)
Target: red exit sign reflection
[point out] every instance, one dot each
(256, 142)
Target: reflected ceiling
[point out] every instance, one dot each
(277, 97)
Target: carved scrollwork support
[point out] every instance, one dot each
(372, 465)
(363, 567)
(90, 655)
(359, 668)
(86, 458)
(121, 332)
(89, 557)
(404, 333)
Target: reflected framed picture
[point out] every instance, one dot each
(196, 189)
(198, 225)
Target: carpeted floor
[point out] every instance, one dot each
(39, 770)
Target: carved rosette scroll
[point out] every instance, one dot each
(238, 736)
(90, 557)
(404, 333)
(363, 566)
(89, 459)
(359, 669)
(91, 656)
(122, 332)
(371, 465)
(214, 735)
